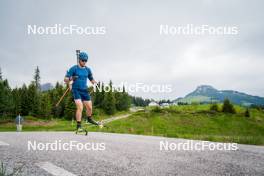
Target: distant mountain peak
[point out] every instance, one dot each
(204, 88)
(46, 86)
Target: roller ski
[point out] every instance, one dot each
(91, 121)
(81, 130)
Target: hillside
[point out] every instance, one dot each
(208, 94)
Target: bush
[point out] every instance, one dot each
(195, 103)
(228, 107)
(247, 113)
(214, 107)
(157, 109)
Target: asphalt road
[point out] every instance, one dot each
(121, 154)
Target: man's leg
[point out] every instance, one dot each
(88, 105)
(79, 109)
(89, 108)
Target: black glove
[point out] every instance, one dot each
(74, 78)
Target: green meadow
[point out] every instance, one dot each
(186, 121)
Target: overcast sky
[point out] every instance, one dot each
(132, 49)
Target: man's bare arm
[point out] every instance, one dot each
(93, 81)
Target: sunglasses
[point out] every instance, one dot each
(84, 60)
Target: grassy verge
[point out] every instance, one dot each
(53, 124)
(190, 122)
(194, 122)
(37, 124)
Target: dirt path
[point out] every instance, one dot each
(132, 110)
(115, 118)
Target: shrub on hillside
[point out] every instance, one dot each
(228, 107)
(214, 107)
(247, 113)
(157, 109)
(195, 103)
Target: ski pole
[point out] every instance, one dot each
(61, 98)
(67, 90)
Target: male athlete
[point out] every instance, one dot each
(76, 77)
